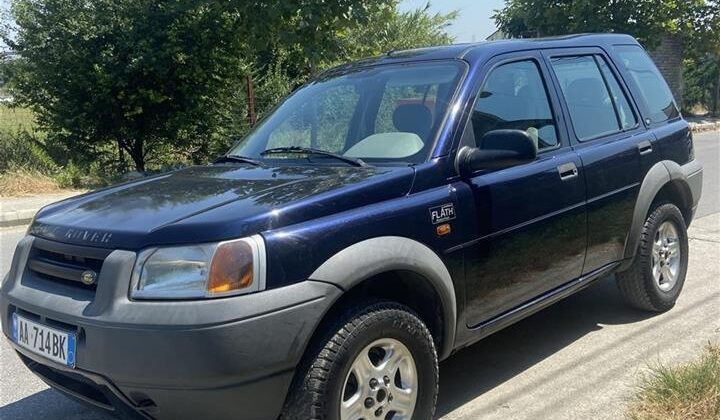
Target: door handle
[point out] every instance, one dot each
(567, 171)
(644, 147)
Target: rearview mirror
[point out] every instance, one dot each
(498, 149)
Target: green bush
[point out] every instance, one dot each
(91, 175)
(71, 176)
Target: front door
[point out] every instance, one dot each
(531, 218)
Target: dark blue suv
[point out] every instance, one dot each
(385, 215)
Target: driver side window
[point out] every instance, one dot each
(514, 97)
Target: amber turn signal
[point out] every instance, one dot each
(231, 268)
(443, 229)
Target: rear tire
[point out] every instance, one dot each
(654, 280)
(335, 381)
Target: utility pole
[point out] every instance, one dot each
(251, 100)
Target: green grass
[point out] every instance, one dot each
(687, 392)
(13, 120)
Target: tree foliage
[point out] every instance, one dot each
(647, 20)
(702, 61)
(8, 69)
(383, 28)
(390, 29)
(93, 71)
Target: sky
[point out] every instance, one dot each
(475, 21)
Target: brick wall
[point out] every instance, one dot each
(668, 56)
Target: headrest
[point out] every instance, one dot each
(413, 118)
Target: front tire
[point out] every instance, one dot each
(376, 362)
(656, 277)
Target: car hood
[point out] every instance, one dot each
(212, 203)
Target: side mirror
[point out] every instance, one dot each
(498, 149)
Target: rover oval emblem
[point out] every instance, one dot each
(88, 277)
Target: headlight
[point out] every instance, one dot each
(200, 271)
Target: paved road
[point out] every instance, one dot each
(707, 151)
(577, 359)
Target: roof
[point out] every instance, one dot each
(563, 41)
(466, 50)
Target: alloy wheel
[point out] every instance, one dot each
(666, 255)
(382, 383)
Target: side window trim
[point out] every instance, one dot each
(623, 90)
(593, 52)
(607, 87)
(550, 92)
(555, 107)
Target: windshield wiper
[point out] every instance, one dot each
(312, 151)
(238, 158)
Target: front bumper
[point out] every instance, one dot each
(223, 358)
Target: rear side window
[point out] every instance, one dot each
(653, 89)
(589, 103)
(514, 97)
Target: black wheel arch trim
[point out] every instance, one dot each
(688, 175)
(371, 257)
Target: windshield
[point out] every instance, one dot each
(378, 114)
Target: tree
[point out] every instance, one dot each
(8, 66)
(380, 27)
(152, 75)
(647, 20)
(389, 29)
(702, 64)
(137, 73)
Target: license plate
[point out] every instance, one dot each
(51, 343)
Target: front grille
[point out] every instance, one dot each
(64, 263)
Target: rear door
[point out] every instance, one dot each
(531, 217)
(606, 133)
(656, 103)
